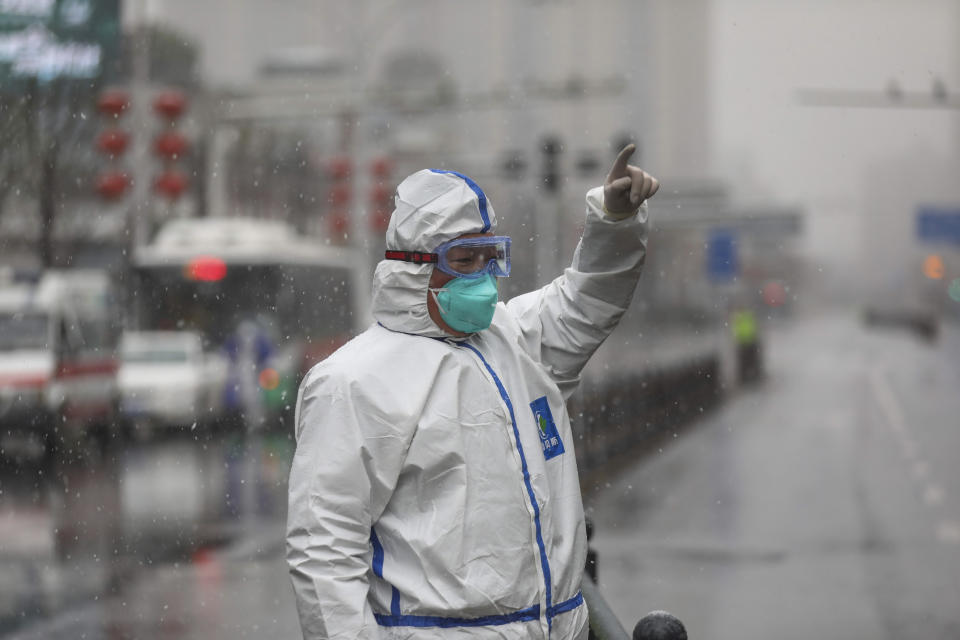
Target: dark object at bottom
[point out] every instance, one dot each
(659, 625)
(750, 362)
(921, 321)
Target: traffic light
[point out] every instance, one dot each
(513, 165)
(551, 148)
(621, 140)
(588, 164)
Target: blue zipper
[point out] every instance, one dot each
(395, 619)
(526, 477)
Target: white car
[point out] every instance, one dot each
(167, 380)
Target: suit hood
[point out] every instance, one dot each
(432, 206)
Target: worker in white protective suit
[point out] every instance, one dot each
(434, 489)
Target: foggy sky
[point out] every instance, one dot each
(762, 142)
(833, 161)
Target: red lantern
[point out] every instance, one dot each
(381, 196)
(340, 167)
(113, 141)
(113, 102)
(171, 144)
(171, 184)
(170, 103)
(379, 220)
(381, 206)
(381, 167)
(339, 195)
(112, 184)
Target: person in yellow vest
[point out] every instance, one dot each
(746, 337)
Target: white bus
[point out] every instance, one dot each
(220, 276)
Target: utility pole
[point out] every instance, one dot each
(361, 117)
(139, 215)
(47, 200)
(550, 219)
(44, 148)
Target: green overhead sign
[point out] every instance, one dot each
(52, 39)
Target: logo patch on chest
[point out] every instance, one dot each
(546, 428)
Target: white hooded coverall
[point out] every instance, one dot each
(434, 489)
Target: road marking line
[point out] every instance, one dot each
(933, 494)
(888, 403)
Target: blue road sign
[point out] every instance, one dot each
(938, 225)
(722, 260)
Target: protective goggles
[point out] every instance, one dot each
(465, 257)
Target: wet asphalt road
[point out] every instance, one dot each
(823, 502)
(132, 538)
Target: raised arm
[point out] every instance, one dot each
(565, 321)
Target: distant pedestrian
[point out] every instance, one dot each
(248, 351)
(434, 490)
(746, 336)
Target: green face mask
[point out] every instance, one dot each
(467, 304)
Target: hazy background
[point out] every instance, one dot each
(767, 442)
(858, 172)
(720, 99)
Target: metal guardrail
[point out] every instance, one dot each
(622, 416)
(617, 420)
(604, 624)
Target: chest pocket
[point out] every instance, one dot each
(550, 440)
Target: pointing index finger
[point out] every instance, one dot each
(619, 168)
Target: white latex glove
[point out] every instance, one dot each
(626, 186)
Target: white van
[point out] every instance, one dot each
(167, 380)
(58, 365)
